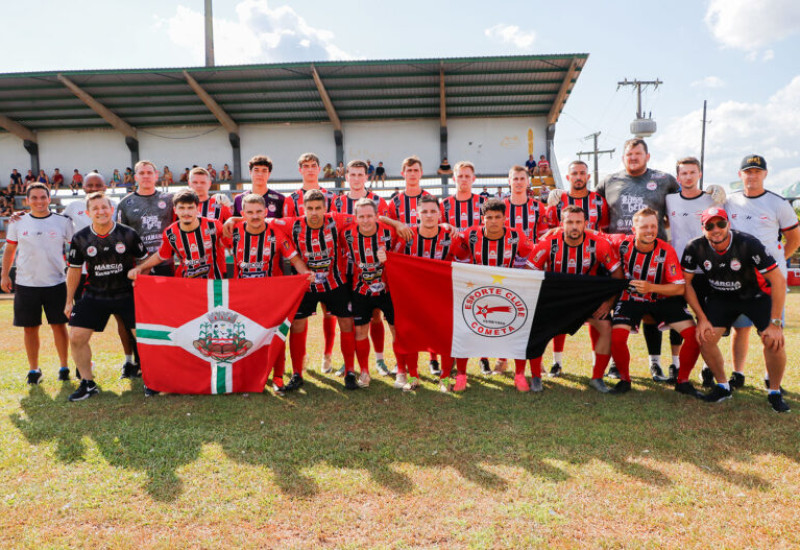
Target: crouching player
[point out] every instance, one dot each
(575, 251)
(736, 265)
(657, 288)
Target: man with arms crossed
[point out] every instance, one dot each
(731, 261)
(37, 240)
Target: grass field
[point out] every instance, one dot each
(378, 468)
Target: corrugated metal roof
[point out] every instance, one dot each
(359, 90)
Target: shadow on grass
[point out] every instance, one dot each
(381, 429)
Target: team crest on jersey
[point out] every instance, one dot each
(253, 250)
(707, 265)
(271, 207)
(162, 205)
(91, 252)
(494, 311)
(492, 255)
(736, 265)
(651, 185)
(120, 248)
(193, 247)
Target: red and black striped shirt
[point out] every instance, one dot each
(362, 253)
(462, 214)
(553, 254)
(659, 266)
(530, 217)
(403, 207)
(345, 205)
(259, 255)
(293, 206)
(201, 252)
(211, 209)
(496, 252)
(593, 205)
(443, 246)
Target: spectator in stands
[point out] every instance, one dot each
(225, 174)
(15, 184)
(116, 179)
(29, 178)
(530, 165)
(57, 179)
(166, 177)
(543, 169)
(395, 193)
(127, 179)
(370, 170)
(485, 193)
(340, 171)
(77, 182)
(328, 172)
(185, 176)
(211, 172)
(43, 178)
(444, 168)
(380, 174)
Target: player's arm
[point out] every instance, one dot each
(772, 336)
(73, 280)
(149, 263)
(665, 289)
(403, 231)
(537, 259)
(8, 259)
(792, 241)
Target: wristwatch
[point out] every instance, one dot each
(777, 322)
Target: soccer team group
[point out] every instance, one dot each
(723, 267)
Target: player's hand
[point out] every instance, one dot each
(311, 277)
(227, 228)
(15, 216)
(554, 197)
(405, 232)
(382, 255)
(704, 331)
(134, 273)
(223, 199)
(772, 336)
(717, 193)
(68, 309)
(5, 283)
(642, 287)
(549, 233)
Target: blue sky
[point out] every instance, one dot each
(740, 55)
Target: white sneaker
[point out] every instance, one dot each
(363, 380)
(327, 364)
(412, 384)
(400, 381)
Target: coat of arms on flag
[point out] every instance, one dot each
(213, 336)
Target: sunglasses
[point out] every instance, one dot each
(721, 224)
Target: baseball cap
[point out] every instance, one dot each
(753, 161)
(713, 212)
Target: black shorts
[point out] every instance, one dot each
(666, 310)
(336, 301)
(29, 301)
(722, 311)
(363, 306)
(93, 312)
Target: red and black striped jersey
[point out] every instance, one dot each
(293, 205)
(500, 252)
(344, 204)
(592, 204)
(403, 207)
(211, 209)
(659, 266)
(319, 248)
(362, 254)
(201, 252)
(530, 217)
(443, 246)
(259, 255)
(462, 214)
(553, 254)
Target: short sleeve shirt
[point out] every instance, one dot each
(40, 248)
(108, 259)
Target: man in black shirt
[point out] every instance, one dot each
(109, 251)
(729, 260)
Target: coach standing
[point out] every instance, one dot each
(627, 192)
(38, 240)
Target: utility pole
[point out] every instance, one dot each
(596, 153)
(703, 144)
(209, 35)
(639, 84)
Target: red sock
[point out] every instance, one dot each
(690, 351)
(400, 358)
(447, 366)
(376, 333)
(536, 367)
(347, 343)
(411, 364)
(329, 332)
(600, 363)
(280, 362)
(297, 349)
(519, 366)
(558, 343)
(594, 335)
(362, 354)
(461, 365)
(620, 352)
(434, 357)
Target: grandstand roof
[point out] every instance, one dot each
(283, 93)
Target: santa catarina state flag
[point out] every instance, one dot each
(213, 336)
(464, 310)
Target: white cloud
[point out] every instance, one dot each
(261, 34)
(750, 25)
(709, 82)
(771, 129)
(769, 55)
(511, 34)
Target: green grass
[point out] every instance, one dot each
(381, 469)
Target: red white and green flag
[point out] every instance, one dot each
(464, 310)
(198, 336)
